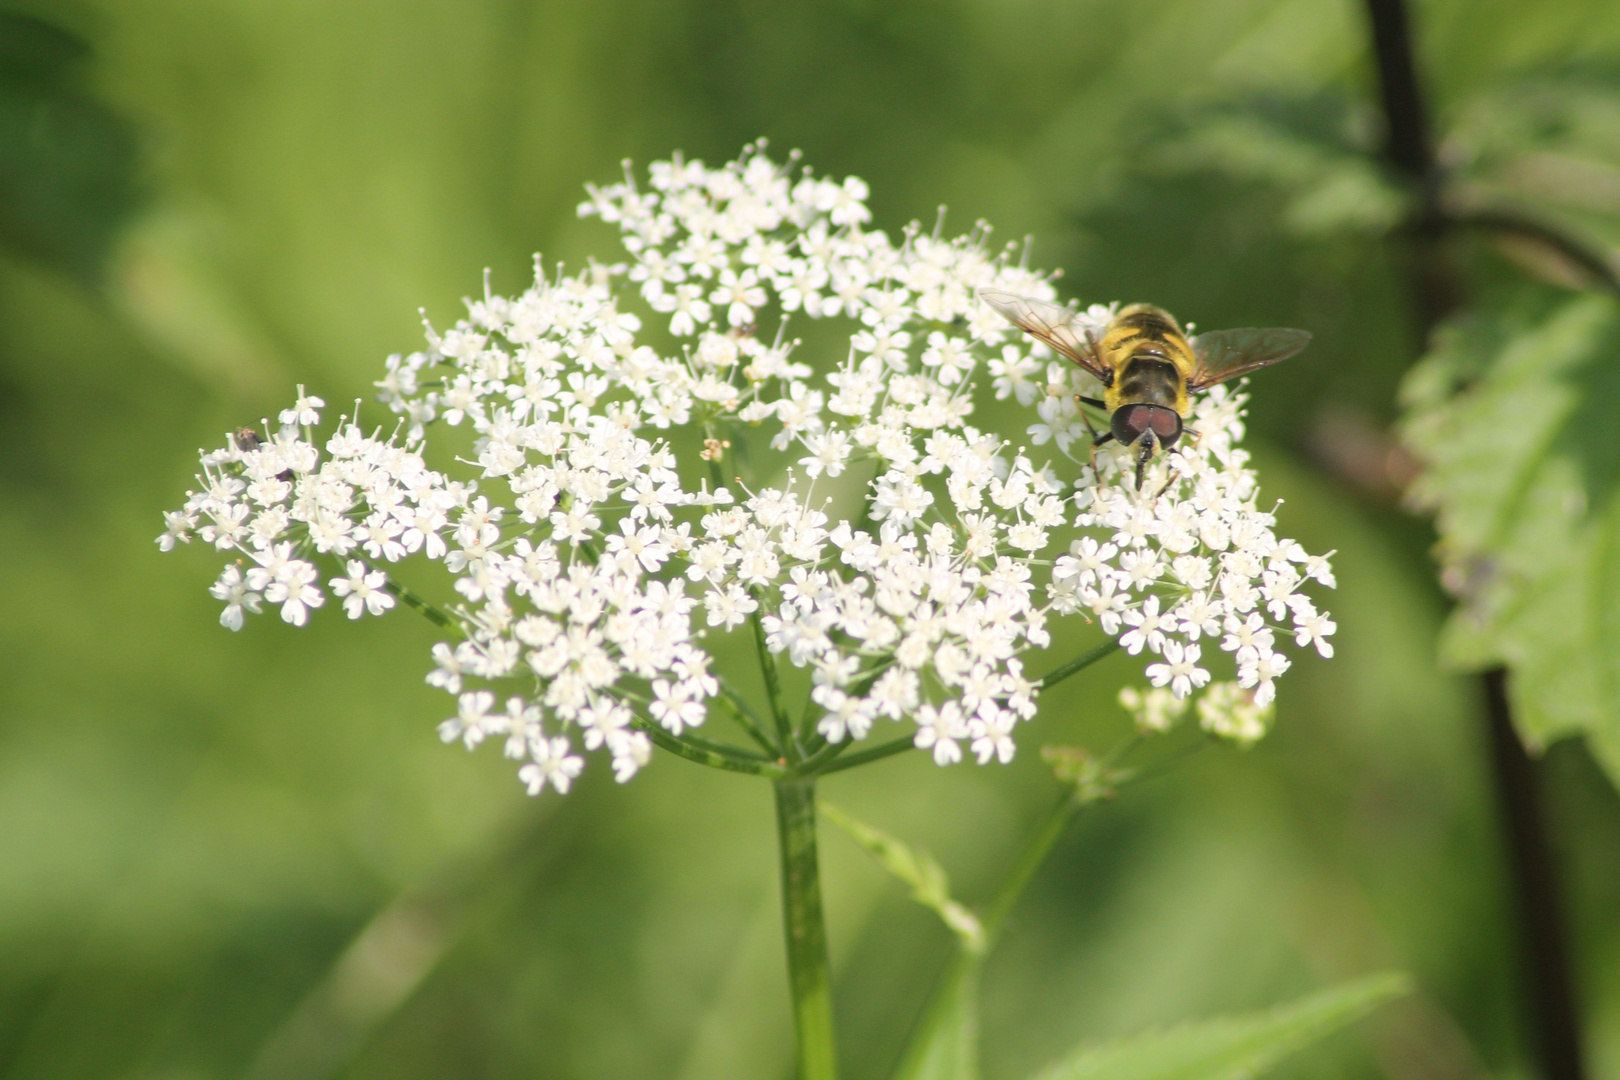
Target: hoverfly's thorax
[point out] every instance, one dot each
(1145, 328)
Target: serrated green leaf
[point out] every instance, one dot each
(1521, 467)
(1233, 1047)
(916, 868)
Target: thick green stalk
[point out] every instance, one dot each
(808, 973)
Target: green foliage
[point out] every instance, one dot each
(67, 163)
(1547, 142)
(1318, 153)
(946, 1043)
(1233, 1047)
(916, 868)
(1512, 415)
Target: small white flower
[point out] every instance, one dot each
(1180, 671)
(939, 730)
(294, 589)
(1312, 627)
(673, 709)
(1146, 627)
(1260, 673)
(472, 719)
(992, 737)
(305, 411)
(233, 588)
(552, 764)
(363, 590)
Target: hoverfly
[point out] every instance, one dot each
(1147, 364)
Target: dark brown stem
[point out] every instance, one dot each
(1436, 292)
(1405, 113)
(1410, 152)
(1535, 885)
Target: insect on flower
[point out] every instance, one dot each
(1147, 364)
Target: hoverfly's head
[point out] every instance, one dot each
(1146, 428)
(1136, 422)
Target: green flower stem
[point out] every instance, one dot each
(1079, 663)
(820, 757)
(725, 749)
(773, 689)
(1035, 851)
(703, 756)
(806, 931)
(745, 716)
(434, 614)
(876, 753)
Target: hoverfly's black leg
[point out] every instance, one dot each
(1174, 474)
(1086, 420)
(1093, 402)
(1096, 441)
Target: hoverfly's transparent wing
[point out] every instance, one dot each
(1226, 354)
(1051, 324)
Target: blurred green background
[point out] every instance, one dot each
(249, 855)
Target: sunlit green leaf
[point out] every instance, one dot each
(1233, 1047)
(1521, 465)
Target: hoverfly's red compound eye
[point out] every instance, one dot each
(1131, 422)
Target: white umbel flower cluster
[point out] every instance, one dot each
(601, 539)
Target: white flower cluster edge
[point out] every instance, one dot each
(597, 534)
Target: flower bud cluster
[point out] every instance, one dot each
(600, 540)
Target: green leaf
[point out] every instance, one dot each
(1310, 149)
(67, 164)
(917, 868)
(1512, 416)
(1232, 1047)
(946, 1043)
